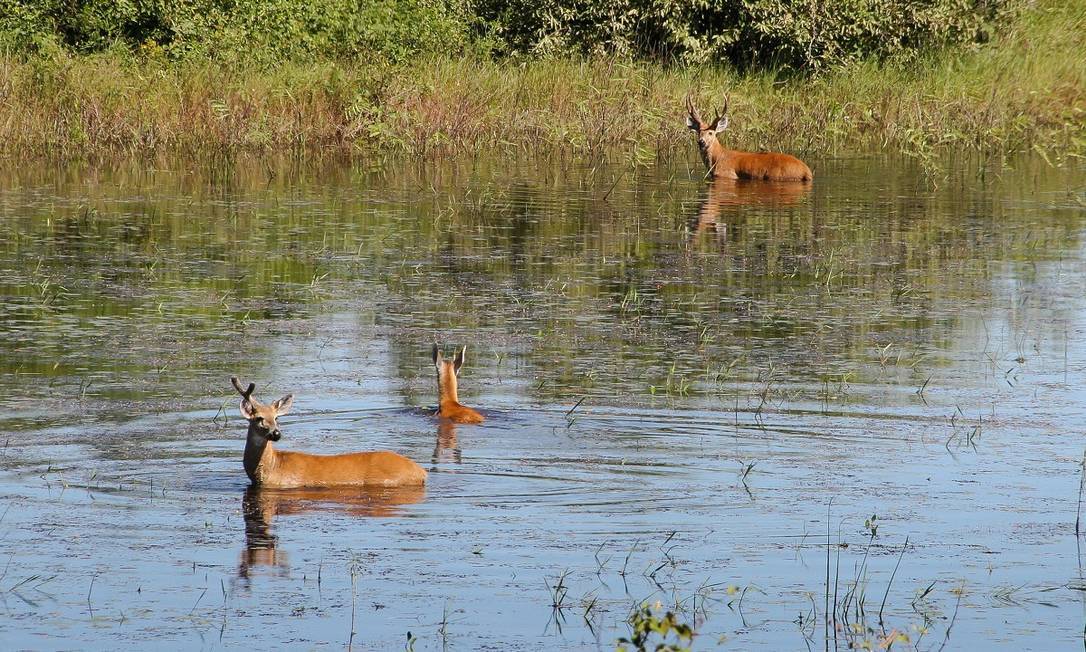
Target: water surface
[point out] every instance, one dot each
(690, 390)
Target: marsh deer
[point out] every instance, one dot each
(725, 163)
(449, 406)
(269, 467)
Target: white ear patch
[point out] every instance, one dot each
(283, 405)
(458, 361)
(690, 124)
(721, 124)
(246, 408)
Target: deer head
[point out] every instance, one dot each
(706, 132)
(261, 417)
(449, 366)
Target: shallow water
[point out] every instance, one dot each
(689, 388)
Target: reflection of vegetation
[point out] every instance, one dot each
(865, 278)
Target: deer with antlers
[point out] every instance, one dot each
(269, 467)
(723, 163)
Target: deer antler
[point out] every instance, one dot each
(722, 112)
(693, 112)
(246, 394)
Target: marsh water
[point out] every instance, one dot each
(735, 402)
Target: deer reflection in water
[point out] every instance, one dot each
(447, 447)
(260, 506)
(722, 193)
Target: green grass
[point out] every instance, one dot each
(1024, 90)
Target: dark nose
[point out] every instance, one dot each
(274, 435)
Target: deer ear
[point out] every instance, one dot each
(721, 124)
(247, 409)
(283, 405)
(691, 123)
(458, 361)
(436, 355)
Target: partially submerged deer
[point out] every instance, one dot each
(449, 406)
(269, 467)
(725, 163)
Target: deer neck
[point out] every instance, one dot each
(716, 158)
(446, 390)
(260, 457)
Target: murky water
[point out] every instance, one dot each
(689, 390)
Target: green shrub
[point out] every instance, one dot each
(249, 30)
(646, 621)
(801, 34)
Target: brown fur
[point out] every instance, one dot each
(723, 163)
(269, 467)
(449, 406)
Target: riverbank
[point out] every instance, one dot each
(1026, 89)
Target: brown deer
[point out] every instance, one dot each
(269, 467)
(449, 406)
(724, 163)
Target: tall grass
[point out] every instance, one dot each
(1025, 89)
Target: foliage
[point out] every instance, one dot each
(268, 31)
(800, 34)
(1025, 90)
(806, 34)
(646, 621)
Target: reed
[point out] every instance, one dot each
(1026, 89)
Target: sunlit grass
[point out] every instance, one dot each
(1024, 90)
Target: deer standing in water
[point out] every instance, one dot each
(725, 163)
(449, 406)
(269, 467)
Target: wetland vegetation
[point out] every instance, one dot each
(717, 415)
(843, 417)
(80, 79)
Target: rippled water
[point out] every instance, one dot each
(689, 388)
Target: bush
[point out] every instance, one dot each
(807, 34)
(801, 34)
(250, 30)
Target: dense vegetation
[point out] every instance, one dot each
(190, 76)
(805, 34)
(265, 31)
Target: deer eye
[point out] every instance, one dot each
(259, 419)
